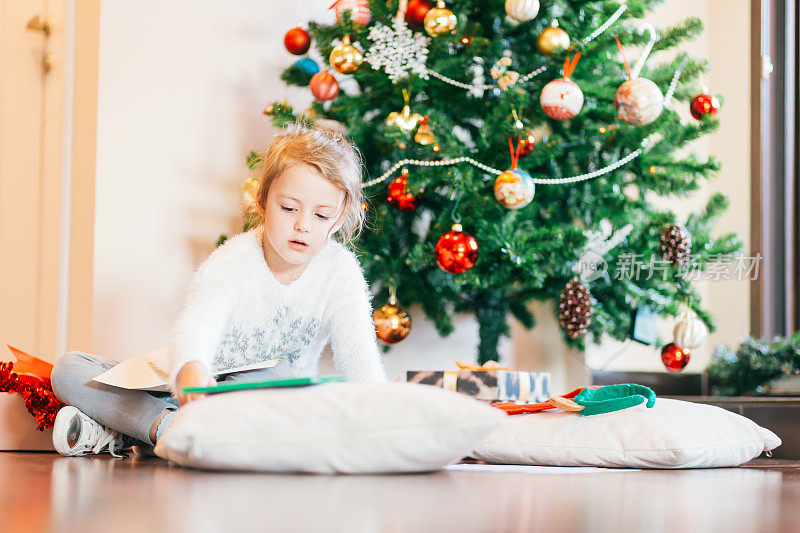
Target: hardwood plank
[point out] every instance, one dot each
(46, 492)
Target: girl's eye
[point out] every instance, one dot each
(287, 209)
(322, 217)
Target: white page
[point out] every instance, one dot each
(136, 372)
(150, 372)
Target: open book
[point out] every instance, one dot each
(150, 372)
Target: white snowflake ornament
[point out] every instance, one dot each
(398, 50)
(592, 264)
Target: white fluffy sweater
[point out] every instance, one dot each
(236, 313)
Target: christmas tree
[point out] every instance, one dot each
(507, 144)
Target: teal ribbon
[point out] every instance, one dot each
(614, 398)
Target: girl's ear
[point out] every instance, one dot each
(260, 208)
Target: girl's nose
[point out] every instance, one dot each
(302, 225)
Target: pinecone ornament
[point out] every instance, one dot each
(675, 245)
(575, 308)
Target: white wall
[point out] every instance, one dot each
(181, 88)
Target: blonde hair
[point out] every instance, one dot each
(336, 158)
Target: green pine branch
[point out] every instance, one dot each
(525, 254)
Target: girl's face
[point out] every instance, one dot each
(302, 210)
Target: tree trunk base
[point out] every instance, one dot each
(543, 349)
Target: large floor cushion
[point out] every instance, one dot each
(673, 434)
(331, 428)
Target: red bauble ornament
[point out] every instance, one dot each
(674, 357)
(416, 11)
(400, 196)
(526, 144)
(456, 251)
(324, 86)
(297, 41)
(704, 104)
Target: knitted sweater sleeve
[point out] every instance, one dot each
(353, 340)
(198, 330)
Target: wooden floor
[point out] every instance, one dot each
(46, 492)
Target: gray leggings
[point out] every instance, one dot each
(130, 412)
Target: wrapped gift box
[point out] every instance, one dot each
(18, 428)
(488, 385)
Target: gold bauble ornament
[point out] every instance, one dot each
(405, 120)
(439, 20)
(392, 323)
(310, 114)
(424, 135)
(250, 190)
(552, 39)
(537, 134)
(346, 58)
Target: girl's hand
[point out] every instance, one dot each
(192, 374)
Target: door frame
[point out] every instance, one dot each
(775, 235)
(78, 226)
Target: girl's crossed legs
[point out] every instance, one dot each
(138, 416)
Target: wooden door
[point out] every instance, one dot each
(48, 88)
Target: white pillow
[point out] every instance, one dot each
(673, 434)
(350, 428)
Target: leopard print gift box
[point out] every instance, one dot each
(488, 385)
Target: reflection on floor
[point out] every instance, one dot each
(46, 492)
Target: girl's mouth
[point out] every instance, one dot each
(298, 245)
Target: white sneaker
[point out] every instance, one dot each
(75, 433)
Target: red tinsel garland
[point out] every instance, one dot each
(37, 392)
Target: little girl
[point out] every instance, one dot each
(279, 291)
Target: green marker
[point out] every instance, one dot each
(250, 385)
